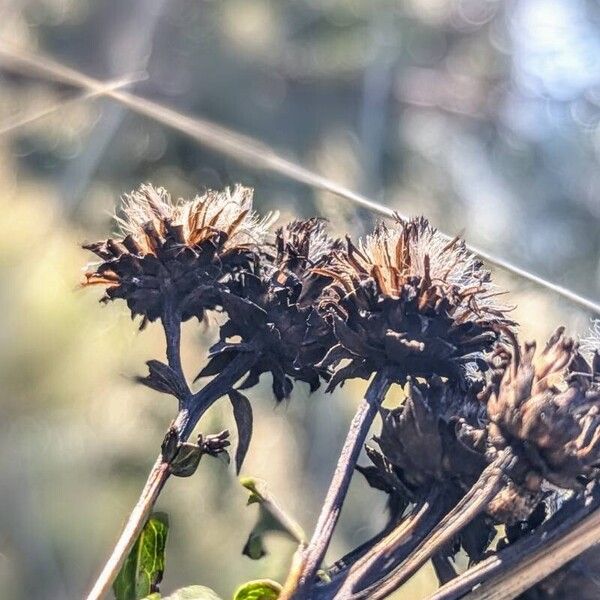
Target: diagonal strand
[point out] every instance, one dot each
(243, 148)
(23, 120)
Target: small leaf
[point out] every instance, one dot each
(261, 589)
(143, 569)
(193, 592)
(242, 412)
(186, 460)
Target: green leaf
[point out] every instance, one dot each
(186, 460)
(193, 592)
(261, 589)
(143, 569)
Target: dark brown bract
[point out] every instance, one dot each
(546, 407)
(177, 251)
(436, 436)
(289, 338)
(405, 297)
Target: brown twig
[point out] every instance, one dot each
(406, 536)
(501, 562)
(535, 565)
(469, 507)
(302, 578)
(32, 117)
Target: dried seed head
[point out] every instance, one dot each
(406, 297)
(546, 407)
(434, 439)
(437, 435)
(264, 311)
(177, 250)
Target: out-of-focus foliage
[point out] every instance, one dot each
(484, 116)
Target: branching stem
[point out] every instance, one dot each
(403, 538)
(470, 506)
(184, 424)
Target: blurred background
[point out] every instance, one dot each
(484, 115)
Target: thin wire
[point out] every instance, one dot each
(243, 148)
(23, 120)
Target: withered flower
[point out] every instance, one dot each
(434, 439)
(263, 310)
(437, 435)
(545, 406)
(405, 297)
(177, 251)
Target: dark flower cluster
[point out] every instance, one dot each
(431, 438)
(404, 303)
(289, 338)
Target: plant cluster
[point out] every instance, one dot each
(487, 432)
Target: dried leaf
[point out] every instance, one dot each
(242, 412)
(186, 460)
(163, 379)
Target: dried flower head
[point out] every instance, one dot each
(437, 435)
(406, 297)
(288, 339)
(546, 407)
(434, 439)
(177, 250)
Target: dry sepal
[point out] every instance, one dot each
(178, 250)
(405, 297)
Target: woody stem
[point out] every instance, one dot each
(404, 538)
(515, 569)
(470, 506)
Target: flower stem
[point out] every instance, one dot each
(405, 536)
(184, 424)
(519, 566)
(301, 579)
(135, 523)
(473, 503)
